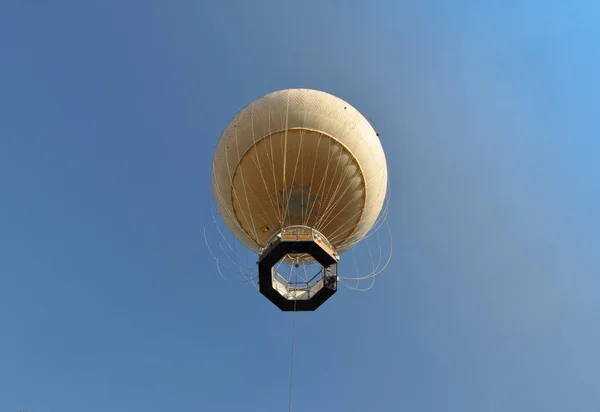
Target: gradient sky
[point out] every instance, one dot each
(489, 112)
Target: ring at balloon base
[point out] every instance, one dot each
(292, 244)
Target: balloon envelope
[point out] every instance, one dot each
(299, 157)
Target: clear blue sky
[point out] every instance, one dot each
(489, 113)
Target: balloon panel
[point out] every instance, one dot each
(298, 177)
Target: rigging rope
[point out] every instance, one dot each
(293, 347)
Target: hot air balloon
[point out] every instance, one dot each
(299, 177)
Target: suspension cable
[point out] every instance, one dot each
(293, 347)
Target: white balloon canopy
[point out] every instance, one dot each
(299, 157)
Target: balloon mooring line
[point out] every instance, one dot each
(293, 347)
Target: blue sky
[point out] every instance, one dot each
(489, 113)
